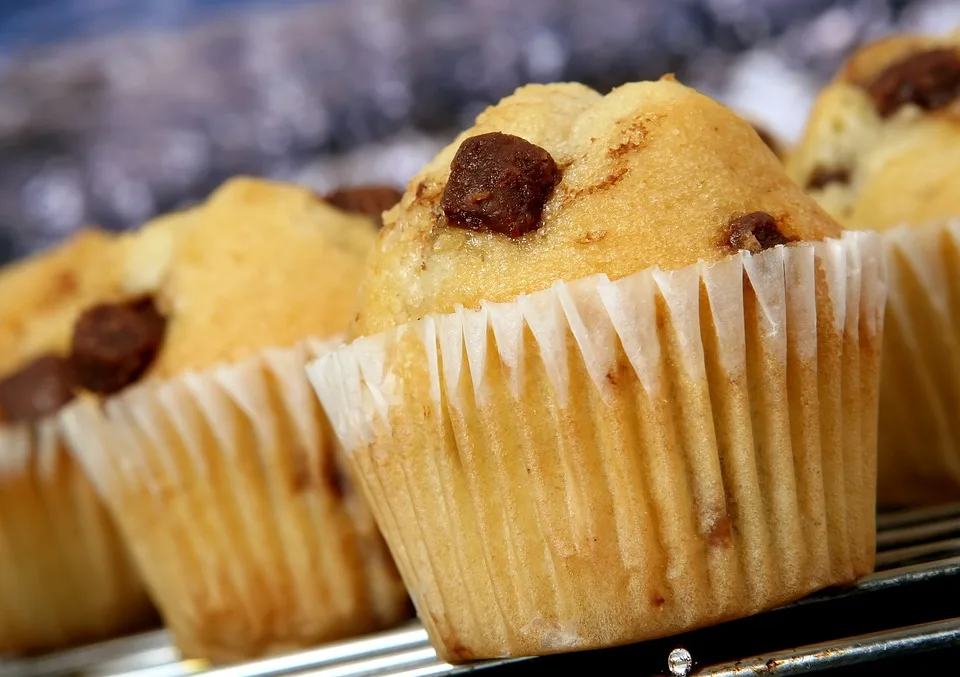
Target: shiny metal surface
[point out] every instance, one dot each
(844, 652)
(913, 548)
(918, 533)
(902, 518)
(111, 657)
(405, 645)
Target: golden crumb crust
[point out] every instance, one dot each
(650, 175)
(41, 296)
(873, 160)
(260, 264)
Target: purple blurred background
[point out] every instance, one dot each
(114, 110)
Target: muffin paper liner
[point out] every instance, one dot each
(227, 486)
(65, 576)
(919, 434)
(606, 462)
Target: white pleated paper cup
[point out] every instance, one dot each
(227, 486)
(65, 576)
(606, 462)
(919, 436)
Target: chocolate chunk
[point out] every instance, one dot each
(824, 176)
(499, 182)
(768, 139)
(36, 390)
(754, 232)
(114, 344)
(930, 80)
(368, 200)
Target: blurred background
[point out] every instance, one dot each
(114, 110)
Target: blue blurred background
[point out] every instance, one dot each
(114, 110)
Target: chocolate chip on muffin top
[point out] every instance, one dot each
(368, 200)
(37, 389)
(929, 79)
(755, 232)
(114, 344)
(500, 183)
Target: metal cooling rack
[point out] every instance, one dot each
(907, 614)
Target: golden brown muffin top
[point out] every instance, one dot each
(41, 296)
(260, 264)
(40, 299)
(557, 182)
(882, 146)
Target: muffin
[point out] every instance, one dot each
(201, 432)
(882, 146)
(612, 376)
(65, 577)
(882, 151)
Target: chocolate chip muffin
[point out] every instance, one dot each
(882, 147)
(882, 150)
(612, 376)
(65, 576)
(200, 429)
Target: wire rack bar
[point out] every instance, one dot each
(916, 548)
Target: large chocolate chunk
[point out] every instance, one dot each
(114, 344)
(754, 232)
(36, 390)
(930, 80)
(499, 182)
(368, 200)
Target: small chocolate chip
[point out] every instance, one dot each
(38, 389)
(824, 176)
(114, 344)
(367, 200)
(754, 232)
(499, 182)
(930, 80)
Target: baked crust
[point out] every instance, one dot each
(652, 175)
(886, 164)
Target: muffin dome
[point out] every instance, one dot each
(559, 182)
(40, 297)
(882, 146)
(242, 272)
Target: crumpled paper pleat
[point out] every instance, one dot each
(607, 461)
(227, 485)
(65, 576)
(919, 434)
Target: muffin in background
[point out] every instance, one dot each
(613, 376)
(882, 146)
(65, 576)
(882, 151)
(204, 438)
